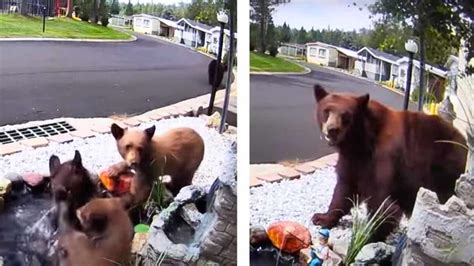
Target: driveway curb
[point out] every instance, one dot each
(91, 127)
(271, 173)
(39, 39)
(306, 71)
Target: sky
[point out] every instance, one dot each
(323, 13)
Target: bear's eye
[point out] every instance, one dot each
(346, 118)
(128, 147)
(326, 112)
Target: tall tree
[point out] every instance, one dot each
(262, 13)
(285, 34)
(69, 8)
(115, 7)
(129, 9)
(104, 13)
(444, 17)
(301, 39)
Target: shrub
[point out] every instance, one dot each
(273, 50)
(104, 21)
(427, 97)
(364, 226)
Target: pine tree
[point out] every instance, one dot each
(104, 13)
(129, 9)
(115, 7)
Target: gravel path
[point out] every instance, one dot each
(100, 152)
(297, 200)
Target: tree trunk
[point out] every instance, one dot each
(24, 7)
(94, 12)
(421, 92)
(262, 35)
(69, 9)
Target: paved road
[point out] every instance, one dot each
(282, 127)
(41, 80)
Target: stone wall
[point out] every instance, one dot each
(220, 242)
(442, 234)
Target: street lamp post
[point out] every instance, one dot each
(412, 49)
(44, 17)
(223, 19)
(230, 65)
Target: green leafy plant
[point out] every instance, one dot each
(364, 226)
(155, 201)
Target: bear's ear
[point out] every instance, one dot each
(77, 160)
(319, 92)
(54, 164)
(363, 100)
(150, 132)
(117, 131)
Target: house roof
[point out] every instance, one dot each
(169, 23)
(296, 45)
(345, 51)
(381, 55)
(429, 68)
(226, 31)
(197, 25)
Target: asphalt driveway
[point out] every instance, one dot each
(282, 126)
(42, 80)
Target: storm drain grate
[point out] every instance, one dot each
(46, 130)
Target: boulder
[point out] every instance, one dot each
(375, 253)
(5, 187)
(258, 235)
(16, 180)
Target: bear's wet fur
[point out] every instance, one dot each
(386, 153)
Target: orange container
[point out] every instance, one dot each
(289, 236)
(116, 188)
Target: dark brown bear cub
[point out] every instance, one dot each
(177, 152)
(384, 152)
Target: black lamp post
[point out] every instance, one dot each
(412, 49)
(44, 18)
(223, 19)
(230, 65)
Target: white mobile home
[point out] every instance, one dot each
(214, 40)
(330, 55)
(376, 65)
(193, 33)
(152, 25)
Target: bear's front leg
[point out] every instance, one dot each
(340, 206)
(116, 169)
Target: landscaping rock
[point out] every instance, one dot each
(375, 253)
(258, 235)
(214, 120)
(191, 215)
(5, 187)
(16, 180)
(33, 179)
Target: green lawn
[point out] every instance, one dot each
(14, 25)
(265, 63)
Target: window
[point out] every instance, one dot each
(138, 22)
(402, 73)
(146, 23)
(322, 53)
(312, 51)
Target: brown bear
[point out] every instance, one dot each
(72, 183)
(177, 152)
(104, 239)
(385, 153)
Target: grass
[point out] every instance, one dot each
(265, 63)
(14, 25)
(364, 226)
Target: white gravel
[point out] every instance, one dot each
(100, 152)
(297, 200)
